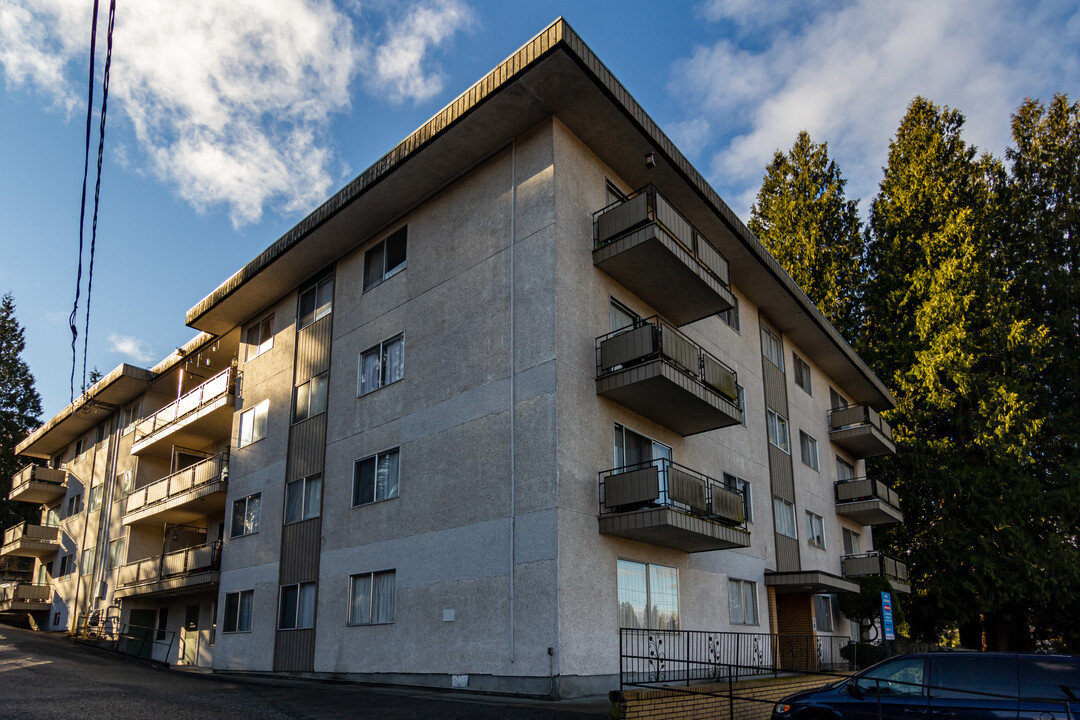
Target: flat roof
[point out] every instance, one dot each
(554, 74)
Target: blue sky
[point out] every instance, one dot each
(230, 121)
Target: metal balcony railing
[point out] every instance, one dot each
(874, 563)
(656, 339)
(198, 559)
(25, 593)
(858, 415)
(648, 205)
(662, 483)
(190, 403)
(190, 478)
(40, 533)
(864, 488)
(53, 480)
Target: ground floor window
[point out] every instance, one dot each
(648, 595)
(297, 607)
(371, 598)
(742, 602)
(823, 613)
(238, 611)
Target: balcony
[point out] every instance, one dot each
(648, 247)
(876, 563)
(868, 502)
(201, 416)
(861, 431)
(663, 503)
(656, 371)
(26, 540)
(38, 485)
(25, 597)
(191, 570)
(184, 496)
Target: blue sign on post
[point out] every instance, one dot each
(886, 616)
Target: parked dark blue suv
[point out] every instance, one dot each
(947, 686)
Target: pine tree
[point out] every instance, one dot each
(804, 219)
(20, 408)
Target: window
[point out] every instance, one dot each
(245, 516)
(620, 316)
(67, 566)
(747, 496)
(808, 446)
(129, 415)
(836, 400)
(844, 470)
(385, 258)
(1050, 678)
(238, 611)
(899, 677)
(648, 595)
(815, 531)
(740, 391)
(823, 613)
(742, 602)
(296, 609)
(852, 546)
(381, 365)
(259, 338)
(771, 347)
(52, 517)
(101, 429)
(253, 424)
(614, 194)
(116, 554)
(302, 499)
(316, 300)
(162, 623)
(86, 565)
(730, 317)
(74, 505)
(784, 513)
(311, 398)
(125, 483)
(96, 494)
(802, 374)
(974, 677)
(376, 478)
(776, 425)
(632, 448)
(371, 598)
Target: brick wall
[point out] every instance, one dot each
(753, 699)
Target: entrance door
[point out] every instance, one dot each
(189, 637)
(140, 632)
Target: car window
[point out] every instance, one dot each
(973, 677)
(1049, 678)
(900, 678)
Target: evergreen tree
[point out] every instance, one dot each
(20, 408)
(804, 219)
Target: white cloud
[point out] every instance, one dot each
(690, 135)
(846, 73)
(131, 347)
(230, 102)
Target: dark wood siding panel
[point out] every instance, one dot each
(787, 554)
(775, 387)
(313, 350)
(307, 448)
(294, 651)
(781, 477)
(300, 546)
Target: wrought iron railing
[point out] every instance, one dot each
(663, 483)
(198, 559)
(127, 639)
(201, 473)
(220, 385)
(858, 415)
(648, 205)
(655, 338)
(874, 562)
(864, 488)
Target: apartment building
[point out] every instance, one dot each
(524, 381)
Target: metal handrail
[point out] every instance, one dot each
(189, 403)
(877, 490)
(689, 237)
(712, 499)
(204, 472)
(673, 347)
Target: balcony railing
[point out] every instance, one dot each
(860, 430)
(877, 563)
(174, 489)
(26, 540)
(187, 562)
(667, 504)
(25, 596)
(186, 409)
(37, 484)
(656, 371)
(868, 501)
(647, 245)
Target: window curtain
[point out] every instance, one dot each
(369, 371)
(394, 360)
(312, 497)
(360, 610)
(383, 591)
(294, 501)
(386, 479)
(244, 620)
(664, 597)
(305, 614)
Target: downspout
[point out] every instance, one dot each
(513, 379)
(87, 491)
(101, 553)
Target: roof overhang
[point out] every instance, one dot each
(809, 581)
(554, 74)
(103, 398)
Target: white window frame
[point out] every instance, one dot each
(237, 625)
(739, 592)
(251, 421)
(97, 496)
(808, 448)
(784, 517)
(305, 591)
(86, 562)
(307, 512)
(778, 432)
(386, 272)
(772, 347)
(259, 338)
(651, 622)
(852, 539)
(116, 549)
(311, 395)
(322, 291)
(250, 524)
(802, 374)
(815, 530)
(730, 317)
(823, 613)
(376, 459)
(379, 351)
(372, 596)
(748, 495)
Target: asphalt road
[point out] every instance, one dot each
(46, 676)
